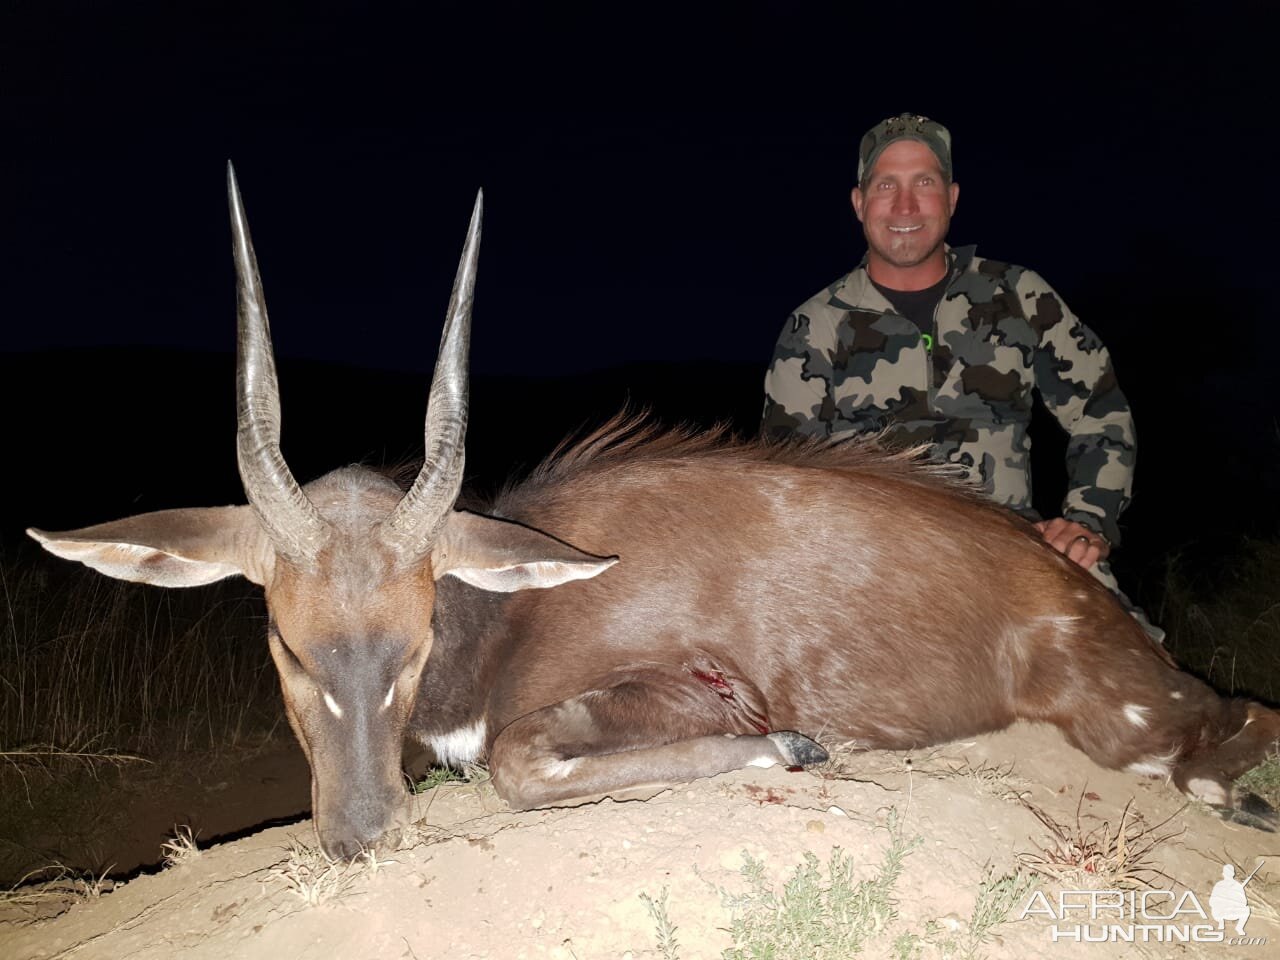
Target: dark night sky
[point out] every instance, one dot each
(661, 185)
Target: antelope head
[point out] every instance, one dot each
(348, 563)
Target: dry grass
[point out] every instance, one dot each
(98, 677)
(990, 779)
(314, 879)
(181, 848)
(51, 889)
(1102, 856)
(94, 669)
(50, 761)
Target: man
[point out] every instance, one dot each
(943, 347)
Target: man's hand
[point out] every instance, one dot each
(1075, 541)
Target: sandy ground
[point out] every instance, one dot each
(481, 881)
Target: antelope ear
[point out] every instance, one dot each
(504, 556)
(169, 548)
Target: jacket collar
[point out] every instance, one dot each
(857, 292)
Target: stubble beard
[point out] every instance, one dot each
(906, 251)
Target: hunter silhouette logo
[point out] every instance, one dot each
(1149, 915)
(1228, 900)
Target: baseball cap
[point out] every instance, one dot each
(905, 126)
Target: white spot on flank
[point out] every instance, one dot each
(1209, 791)
(560, 769)
(1175, 695)
(459, 746)
(1062, 619)
(332, 704)
(1156, 765)
(765, 762)
(1151, 767)
(1137, 715)
(391, 693)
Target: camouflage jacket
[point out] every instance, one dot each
(847, 363)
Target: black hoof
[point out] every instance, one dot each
(1251, 811)
(798, 750)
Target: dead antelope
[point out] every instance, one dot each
(710, 597)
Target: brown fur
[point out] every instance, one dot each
(761, 595)
(838, 589)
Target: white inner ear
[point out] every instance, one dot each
(128, 561)
(78, 550)
(536, 574)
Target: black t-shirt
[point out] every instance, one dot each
(918, 306)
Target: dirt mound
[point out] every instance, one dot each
(882, 854)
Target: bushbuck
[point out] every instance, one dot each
(653, 606)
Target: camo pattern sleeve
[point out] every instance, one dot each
(798, 398)
(1075, 378)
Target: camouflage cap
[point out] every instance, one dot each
(905, 126)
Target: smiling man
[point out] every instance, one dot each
(937, 345)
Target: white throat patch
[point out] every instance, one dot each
(459, 746)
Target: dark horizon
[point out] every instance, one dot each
(660, 193)
(708, 190)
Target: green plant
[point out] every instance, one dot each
(818, 915)
(436, 776)
(665, 929)
(908, 946)
(1264, 780)
(997, 896)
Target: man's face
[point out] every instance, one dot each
(907, 206)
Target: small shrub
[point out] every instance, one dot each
(817, 915)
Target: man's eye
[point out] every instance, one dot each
(926, 181)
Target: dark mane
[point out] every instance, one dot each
(629, 437)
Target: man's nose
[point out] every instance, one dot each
(904, 202)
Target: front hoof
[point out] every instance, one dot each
(798, 750)
(1250, 810)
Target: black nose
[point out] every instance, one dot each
(342, 849)
(350, 846)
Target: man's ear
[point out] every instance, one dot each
(504, 556)
(169, 548)
(955, 197)
(856, 198)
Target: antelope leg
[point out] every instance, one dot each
(634, 734)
